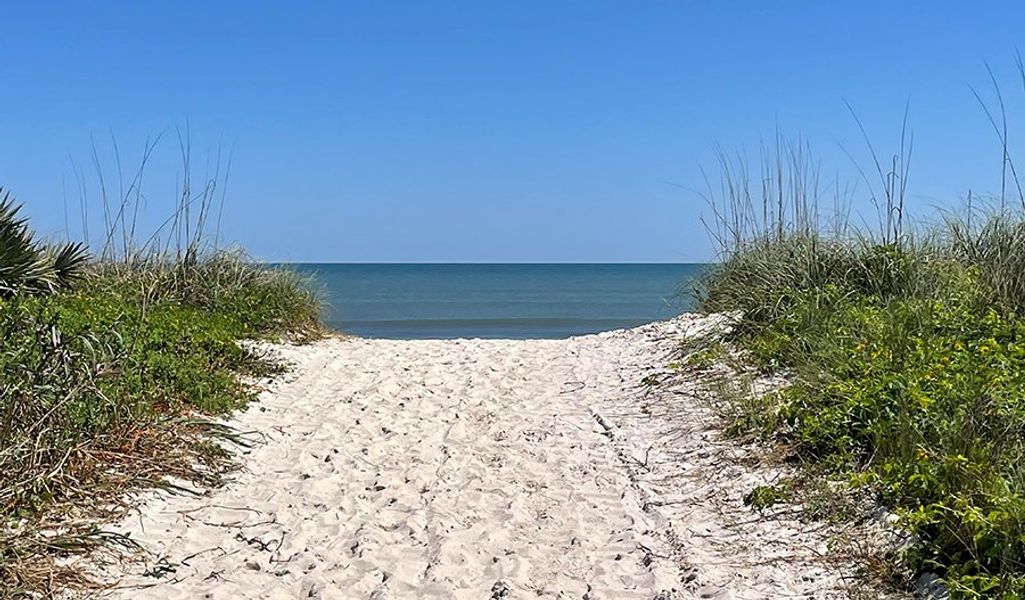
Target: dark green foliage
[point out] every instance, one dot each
(909, 375)
(28, 267)
(104, 388)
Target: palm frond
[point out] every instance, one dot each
(69, 263)
(26, 265)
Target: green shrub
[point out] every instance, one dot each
(910, 375)
(106, 387)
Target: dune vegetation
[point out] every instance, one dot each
(904, 347)
(113, 369)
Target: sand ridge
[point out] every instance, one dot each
(479, 469)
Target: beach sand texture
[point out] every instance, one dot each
(480, 469)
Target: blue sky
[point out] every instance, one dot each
(486, 131)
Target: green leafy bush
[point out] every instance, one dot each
(106, 387)
(910, 376)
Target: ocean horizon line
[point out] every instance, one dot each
(418, 262)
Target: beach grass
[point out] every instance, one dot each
(904, 347)
(113, 372)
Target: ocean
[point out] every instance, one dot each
(511, 301)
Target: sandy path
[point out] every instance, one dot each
(478, 469)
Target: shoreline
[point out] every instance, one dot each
(476, 467)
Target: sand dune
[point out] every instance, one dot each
(480, 469)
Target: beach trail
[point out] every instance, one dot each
(479, 469)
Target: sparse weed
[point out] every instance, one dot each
(706, 357)
(763, 497)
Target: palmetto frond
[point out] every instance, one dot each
(68, 264)
(28, 266)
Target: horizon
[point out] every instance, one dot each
(371, 262)
(487, 133)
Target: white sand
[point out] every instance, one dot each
(481, 469)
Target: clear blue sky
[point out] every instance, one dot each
(480, 131)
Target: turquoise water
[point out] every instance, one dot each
(415, 301)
